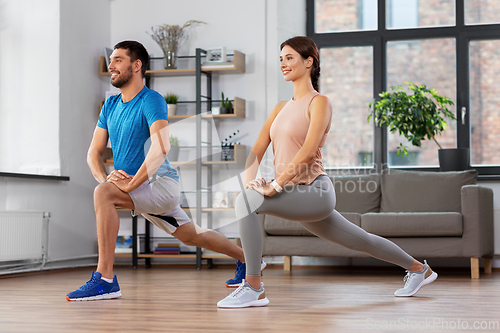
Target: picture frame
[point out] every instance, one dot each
(107, 54)
(124, 242)
(216, 55)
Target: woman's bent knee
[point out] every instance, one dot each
(247, 202)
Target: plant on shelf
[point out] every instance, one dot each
(226, 106)
(416, 117)
(171, 100)
(173, 154)
(169, 38)
(174, 141)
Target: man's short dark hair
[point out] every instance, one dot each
(135, 50)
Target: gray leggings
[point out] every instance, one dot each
(313, 206)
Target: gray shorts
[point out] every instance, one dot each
(158, 202)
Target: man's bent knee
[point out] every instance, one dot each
(103, 191)
(189, 234)
(109, 193)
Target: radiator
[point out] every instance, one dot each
(23, 235)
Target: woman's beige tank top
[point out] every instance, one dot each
(288, 134)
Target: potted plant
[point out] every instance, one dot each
(417, 117)
(169, 38)
(173, 154)
(226, 106)
(171, 100)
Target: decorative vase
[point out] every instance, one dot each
(455, 159)
(172, 109)
(169, 59)
(226, 110)
(173, 154)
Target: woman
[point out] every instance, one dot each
(302, 191)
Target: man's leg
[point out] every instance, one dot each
(103, 284)
(107, 197)
(192, 234)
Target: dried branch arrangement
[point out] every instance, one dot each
(169, 37)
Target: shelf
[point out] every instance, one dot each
(239, 158)
(210, 209)
(215, 256)
(152, 255)
(236, 67)
(239, 112)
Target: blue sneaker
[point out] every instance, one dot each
(96, 288)
(239, 276)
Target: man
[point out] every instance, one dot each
(145, 184)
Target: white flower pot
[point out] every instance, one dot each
(172, 109)
(173, 154)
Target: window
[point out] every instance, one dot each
(485, 102)
(348, 71)
(403, 14)
(345, 15)
(482, 11)
(451, 46)
(29, 87)
(431, 62)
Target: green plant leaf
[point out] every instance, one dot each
(416, 116)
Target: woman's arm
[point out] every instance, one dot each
(260, 146)
(320, 117)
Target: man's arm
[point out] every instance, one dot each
(96, 152)
(160, 146)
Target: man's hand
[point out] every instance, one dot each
(122, 184)
(116, 175)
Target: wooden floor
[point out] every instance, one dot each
(183, 299)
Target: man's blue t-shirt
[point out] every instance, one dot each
(128, 128)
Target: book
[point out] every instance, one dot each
(166, 252)
(167, 248)
(168, 245)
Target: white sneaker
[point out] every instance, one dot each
(245, 296)
(416, 280)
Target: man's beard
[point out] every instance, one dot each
(122, 79)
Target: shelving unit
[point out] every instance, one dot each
(237, 66)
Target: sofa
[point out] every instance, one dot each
(427, 214)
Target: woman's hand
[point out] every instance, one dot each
(267, 190)
(256, 183)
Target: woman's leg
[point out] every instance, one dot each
(311, 202)
(336, 228)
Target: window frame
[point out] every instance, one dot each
(378, 39)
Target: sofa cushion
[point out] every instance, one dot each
(357, 194)
(413, 224)
(411, 191)
(276, 226)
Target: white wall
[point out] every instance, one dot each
(84, 29)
